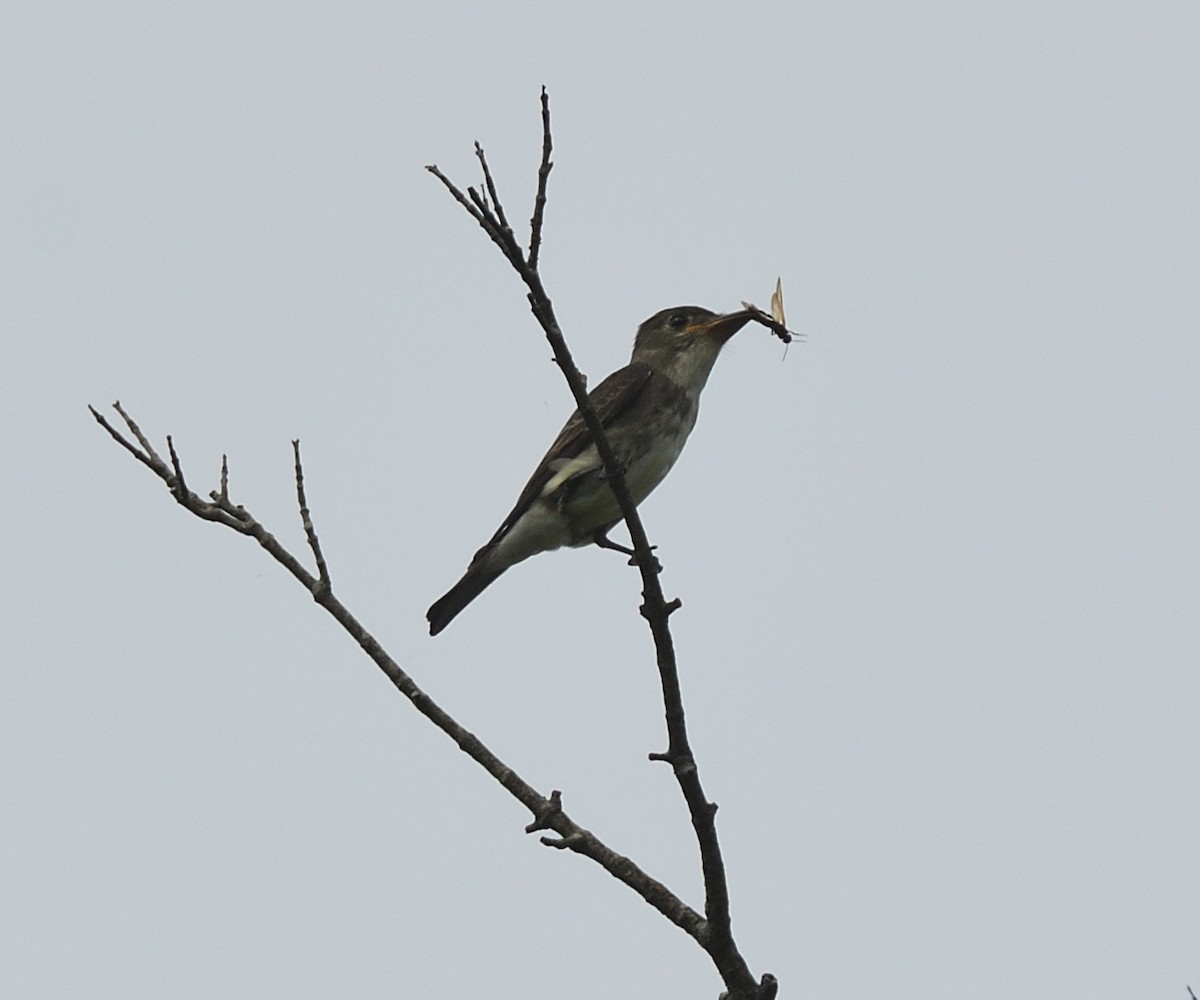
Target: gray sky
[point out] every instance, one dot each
(939, 564)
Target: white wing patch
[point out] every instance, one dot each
(568, 468)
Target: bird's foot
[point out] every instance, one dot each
(601, 539)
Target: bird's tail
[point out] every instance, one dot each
(446, 608)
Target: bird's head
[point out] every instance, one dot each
(684, 342)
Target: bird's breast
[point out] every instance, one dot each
(655, 457)
(647, 441)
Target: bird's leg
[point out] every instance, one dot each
(601, 540)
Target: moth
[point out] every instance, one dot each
(775, 322)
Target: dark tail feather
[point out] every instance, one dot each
(444, 610)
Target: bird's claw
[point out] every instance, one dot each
(602, 540)
(655, 565)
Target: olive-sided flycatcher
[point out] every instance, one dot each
(648, 409)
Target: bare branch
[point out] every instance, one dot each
(547, 812)
(136, 431)
(456, 193)
(306, 519)
(716, 936)
(151, 459)
(179, 488)
(491, 189)
(539, 201)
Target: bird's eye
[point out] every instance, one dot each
(678, 321)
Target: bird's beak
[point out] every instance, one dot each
(724, 327)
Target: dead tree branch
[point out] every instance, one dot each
(547, 813)
(486, 209)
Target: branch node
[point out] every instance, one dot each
(570, 842)
(546, 813)
(661, 608)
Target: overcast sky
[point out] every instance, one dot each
(939, 565)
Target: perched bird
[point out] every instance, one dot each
(648, 409)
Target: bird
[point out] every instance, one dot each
(647, 409)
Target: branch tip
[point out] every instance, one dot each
(322, 585)
(490, 184)
(136, 431)
(568, 843)
(539, 201)
(179, 487)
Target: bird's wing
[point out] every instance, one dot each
(610, 398)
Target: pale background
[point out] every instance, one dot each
(940, 565)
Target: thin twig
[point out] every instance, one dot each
(491, 188)
(151, 459)
(137, 432)
(306, 519)
(179, 487)
(457, 194)
(117, 436)
(539, 201)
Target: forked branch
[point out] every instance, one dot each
(548, 813)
